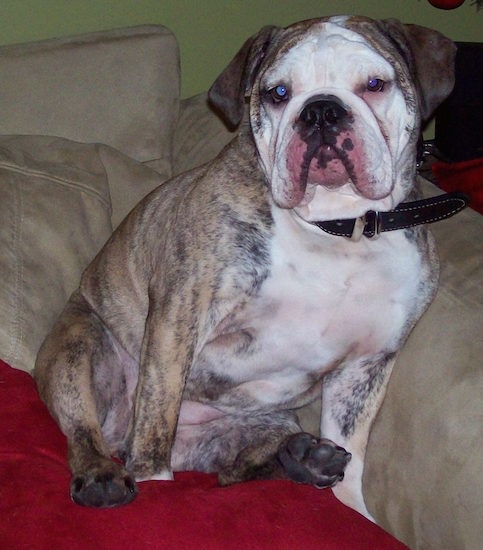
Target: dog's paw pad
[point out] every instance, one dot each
(307, 459)
(104, 488)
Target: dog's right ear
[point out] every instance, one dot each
(228, 92)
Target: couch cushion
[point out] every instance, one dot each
(55, 215)
(55, 211)
(200, 134)
(129, 181)
(118, 87)
(423, 477)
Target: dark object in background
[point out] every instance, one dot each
(459, 120)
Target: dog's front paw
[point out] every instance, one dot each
(104, 486)
(307, 459)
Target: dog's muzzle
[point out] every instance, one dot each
(325, 126)
(328, 145)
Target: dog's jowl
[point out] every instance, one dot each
(228, 299)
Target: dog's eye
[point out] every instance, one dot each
(278, 93)
(375, 85)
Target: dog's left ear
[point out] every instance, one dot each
(228, 92)
(431, 56)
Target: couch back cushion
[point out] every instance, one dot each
(118, 87)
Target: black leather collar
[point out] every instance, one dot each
(407, 214)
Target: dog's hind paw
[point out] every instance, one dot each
(104, 487)
(308, 459)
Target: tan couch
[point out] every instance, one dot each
(112, 102)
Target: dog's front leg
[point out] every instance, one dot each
(351, 399)
(165, 360)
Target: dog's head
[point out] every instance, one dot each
(336, 106)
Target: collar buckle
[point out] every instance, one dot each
(369, 225)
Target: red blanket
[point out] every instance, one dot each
(191, 512)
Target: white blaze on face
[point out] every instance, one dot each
(354, 170)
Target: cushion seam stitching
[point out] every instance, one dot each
(56, 179)
(12, 354)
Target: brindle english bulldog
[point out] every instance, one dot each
(288, 267)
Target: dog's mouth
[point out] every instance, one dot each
(325, 149)
(320, 126)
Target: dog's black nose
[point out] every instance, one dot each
(323, 113)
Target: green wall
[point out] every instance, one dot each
(210, 31)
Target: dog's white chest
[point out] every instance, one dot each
(326, 301)
(330, 297)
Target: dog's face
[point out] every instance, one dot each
(335, 112)
(331, 125)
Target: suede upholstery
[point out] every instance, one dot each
(55, 212)
(119, 87)
(60, 199)
(424, 454)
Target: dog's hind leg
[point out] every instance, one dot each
(259, 446)
(64, 377)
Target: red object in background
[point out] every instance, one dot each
(446, 4)
(466, 177)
